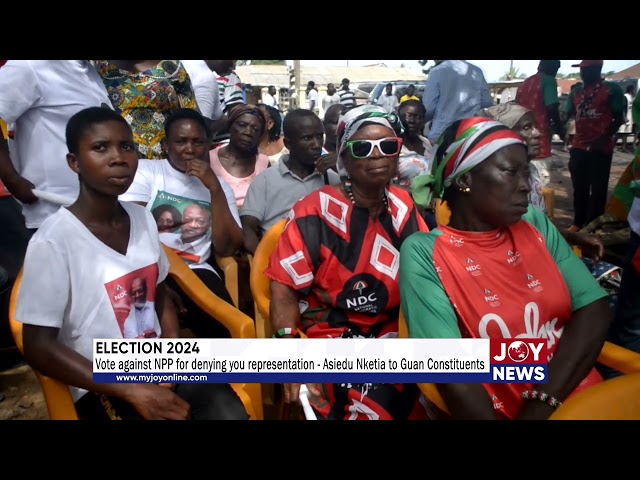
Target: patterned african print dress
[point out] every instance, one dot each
(522, 281)
(344, 265)
(147, 99)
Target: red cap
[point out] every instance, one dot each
(589, 63)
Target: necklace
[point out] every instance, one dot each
(347, 188)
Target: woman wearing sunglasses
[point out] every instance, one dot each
(335, 269)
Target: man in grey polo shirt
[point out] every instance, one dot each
(273, 192)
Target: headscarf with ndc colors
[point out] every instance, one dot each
(475, 140)
(354, 119)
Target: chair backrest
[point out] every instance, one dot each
(260, 284)
(229, 267)
(58, 396)
(429, 390)
(443, 214)
(615, 399)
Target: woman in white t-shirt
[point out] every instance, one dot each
(87, 267)
(195, 211)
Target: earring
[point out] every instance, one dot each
(465, 190)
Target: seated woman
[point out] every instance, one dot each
(196, 211)
(525, 281)
(334, 271)
(522, 121)
(239, 161)
(89, 269)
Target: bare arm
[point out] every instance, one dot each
(250, 233)
(284, 310)
(167, 314)
(467, 401)
(226, 233)
(582, 340)
(19, 186)
(557, 125)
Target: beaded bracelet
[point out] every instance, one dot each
(542, 396)
(286, 331)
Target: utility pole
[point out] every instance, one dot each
(296, 69)
(293, 67)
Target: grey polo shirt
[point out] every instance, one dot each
(274, 191)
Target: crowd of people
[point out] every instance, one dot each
(146, 153)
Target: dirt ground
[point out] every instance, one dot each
(23, 399)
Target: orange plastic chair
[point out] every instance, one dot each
(230, 268)
(261, 292)
(57, 395)
(615, 399)
(260, 285)
(443, 214)
(612, 356)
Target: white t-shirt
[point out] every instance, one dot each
(74, 282)
(205, 86)
(40, 96)
(313, 96)
(181, 206)
(270, 100)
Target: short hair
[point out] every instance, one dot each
(185, 114)
(388, 85)
(415, 103)
(335, 106)
(85, 119)
(345, 80)
(311, 83)
(292, 119)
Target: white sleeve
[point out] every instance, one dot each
(163, 264)
(19, 89)
(217, 106)
(203, 84)
(46, 286)
(231, 200)
(142, 186)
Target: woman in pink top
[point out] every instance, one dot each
(238, 162)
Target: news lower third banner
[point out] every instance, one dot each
(389, 360)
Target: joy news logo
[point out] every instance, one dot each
(518, 361)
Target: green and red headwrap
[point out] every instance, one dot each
(475, 140)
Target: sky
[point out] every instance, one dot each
(493, 69)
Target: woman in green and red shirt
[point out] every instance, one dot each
(500, 269)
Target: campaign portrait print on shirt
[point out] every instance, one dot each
(132, 297)
(184, 225)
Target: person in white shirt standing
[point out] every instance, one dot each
(74, 286)
(39, 97)
(388, 100)
(207, 91)
(270, 98)
(312, 97)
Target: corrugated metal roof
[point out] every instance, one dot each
(631, 72)
(278, 75)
